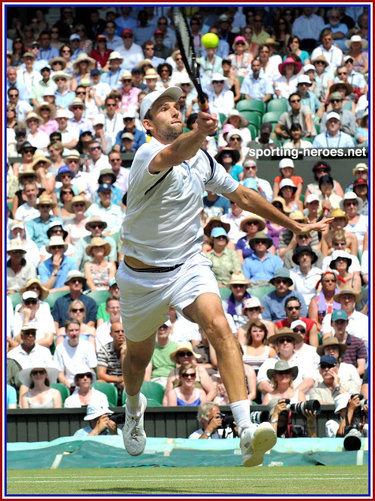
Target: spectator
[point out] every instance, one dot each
(229, 158)
(37, 227)
(356, 349)
(220, 97)
(64, 96)
(293, 50)
(112, 309)
(298, 114)
(256, 350)
(76, 281)
(211, 64)
(341, 261)
(112, 76)
(30, 313)
(305, 275)
(333, 137)
(40, 395)
(161, 364)
(255, 86)
(347, 118)
(72, 353)
(225, 261)
(274, 301)
(110, 213)
(215, 205)
(304, 239)
(296, 141)
(307, 27)
(99, 423)
(360, 188)
(263, 141)
(186, 393)
(131, 53)
(28, 352)
(130, 126)
(356, 44)
(54, 270)
(184, 355)
(85, 394)
(110, 358)
(346, 371)
(99, 271)
(328, 50)
(287, 83)
(260, 266)
(285, 341)
(357, 223)
(250, 225)
(323, 303)
(320, 169)
(27, 210)
(233, 305)
(338, 224)
(250, 171)
(19, 271)
(77, 311)
(286, 167)
(234, 218)
(292, 307)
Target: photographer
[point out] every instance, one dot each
(353, 411)
(279, 400)
(99, 423)
(211, 420)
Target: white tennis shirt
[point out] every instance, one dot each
(162, 226)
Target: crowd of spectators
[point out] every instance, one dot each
(75, 79)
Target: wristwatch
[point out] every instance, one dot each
(336, 390)
(208, 434)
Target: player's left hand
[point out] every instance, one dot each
(207, 123)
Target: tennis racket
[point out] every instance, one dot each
(186, 46)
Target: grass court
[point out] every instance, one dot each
(277, 480)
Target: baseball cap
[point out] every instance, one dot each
(297, 322)
(99, 119)
(104, 187)
(308, 67)
(339, 315)
(128, 135)
(304, 79)
(149, 99)
(20, 131)
(101, 37)
(251, 302)
(311, 198)
(74, 37)
(126, 31)
(333, 114)
(29, 295)
(218, 232)
(158, 32)
(328, 359)
(286, 162)
(115, 55)
(94, 72)
(112, 282)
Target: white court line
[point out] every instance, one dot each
(159, 479)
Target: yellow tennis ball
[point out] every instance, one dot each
(210, 41)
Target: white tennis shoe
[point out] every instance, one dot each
(256, 442)
(133, 433)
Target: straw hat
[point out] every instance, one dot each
(95, 219)
(45, 199)
(285, 331)
(281, 201)
(151, 73)
(51, 107)
(16, 245)
(348, 290)
(84, 57)
(25, 374)
(322, 59)
(185, 346)
(338, 213)
(331, 341)
(238, 278)
(98, 242)
(57, 60)
(56, 240)
(77, 198)
(60, 74)
(32, 114)
(44, 291)
(39, 157)
(27, 171)
(253, 217)
(76, 102)
(212, 223)
(335, 88)
(244, 122)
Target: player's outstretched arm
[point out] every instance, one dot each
(251, 201)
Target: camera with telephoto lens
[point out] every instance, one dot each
(362, 401)
(300, 408)
(258, 417)
(352, 438)
(227, 421)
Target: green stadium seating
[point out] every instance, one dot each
(279, 105)
(51, 298)
(253, 131)
(261, 291)
(271, 117)
(224, 292)
(64, 392)
(154, 392)
(251, 105)
(253, 117)
(16, 299)
(108, 389)
(99, 296)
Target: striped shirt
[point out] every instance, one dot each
(107, 357)
(356, 349)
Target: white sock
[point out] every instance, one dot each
(132, 403)
(241, 414)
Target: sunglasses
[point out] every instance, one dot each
(295, 101)
(341, 244)
(110, 104)
(326, 366)
(76, 310)
(239, 286)
(93, 226)
(279, 281)
(185, 354)
(127, 36)
(329, 281)
(240, 43)
(77, 107)
(93, 148)
(285, 340)
(248, 167)
(336, 101)
(291, 308)
(115, 159)
(190, 375)
(56, 247)
(235, 138)
(217, 81)
(67, 192)
(40, 372)
(75, 280)
(16, 252)
(343, 73)
(301, 331)
(263, 242)
(255, 308)
(339, 321)
(87, 374)
(28, 151)
(30, 301)
(80, 92)
(56, 231)
(79, 204)
(252, 223)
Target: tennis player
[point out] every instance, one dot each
(163, 265)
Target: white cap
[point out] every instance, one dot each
(75, 37)
(149, 99)
(286, 182)
(297, 322)
(333, 114)
(312, 198)
(346, 58)
(341, 401)
(304, 79)
(308, 67)
(99, 119)
(251, 302)
(29, 295)
(115, 55)
(286, 162)
(62, 113)
(94, 412)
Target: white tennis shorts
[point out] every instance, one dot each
(146, 297)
